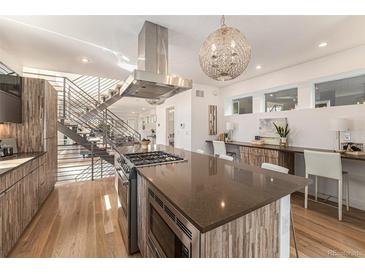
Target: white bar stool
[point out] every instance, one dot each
(328, 165)
(226, 157)
(219, 148)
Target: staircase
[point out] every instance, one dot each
(97, 87)
(4, 69)
(98, 132)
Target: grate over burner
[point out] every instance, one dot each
(152, 158)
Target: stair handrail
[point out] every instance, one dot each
(81, 99)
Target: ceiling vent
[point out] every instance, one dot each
(199, 93)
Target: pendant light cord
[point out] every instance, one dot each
(223, 21)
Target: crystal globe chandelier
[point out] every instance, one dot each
(225, 54)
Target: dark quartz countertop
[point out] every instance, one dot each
(13, 162)
(210, 191)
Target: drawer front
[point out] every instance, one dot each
(2, 183)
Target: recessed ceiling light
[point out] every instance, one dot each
(143, 108)
(85, 60)
(322, 45)
(258, 67)
(133, 112)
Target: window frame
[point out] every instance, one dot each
(281, 90)
(321, 101)
(237, 101)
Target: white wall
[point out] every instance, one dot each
(310, 126)
(11, 61)
(192, 112)
(182, 104)
(200, 126)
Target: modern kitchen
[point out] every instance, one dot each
(145, 136)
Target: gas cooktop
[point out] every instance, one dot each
(152, 158)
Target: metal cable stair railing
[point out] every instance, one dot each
(74, 106)
(98, 170)
(97, 87)
(77, 122)
(4, 69)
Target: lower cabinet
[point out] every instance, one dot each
(2, 207)
(12, 221)
(256, 156)
(20, 202)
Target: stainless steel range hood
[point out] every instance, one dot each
(151, 79)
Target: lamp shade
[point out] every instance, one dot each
(339, 124)
(229, 126)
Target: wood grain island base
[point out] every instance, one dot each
(262, 233)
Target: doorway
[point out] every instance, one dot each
(170, 126)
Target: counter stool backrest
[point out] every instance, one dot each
(219, 148)
(226, 157)
(324, 164)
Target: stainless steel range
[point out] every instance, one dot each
(126, 170)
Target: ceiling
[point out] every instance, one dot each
(60, 42)
(130, 107)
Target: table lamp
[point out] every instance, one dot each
(229, 128)
(339, 125)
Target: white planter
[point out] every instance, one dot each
(284, 141)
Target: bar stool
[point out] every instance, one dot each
(219, 148)
(286, 171)
(328, 165)
(226, 157)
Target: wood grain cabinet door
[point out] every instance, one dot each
(29, 201)
(2, 206)
(12, 221)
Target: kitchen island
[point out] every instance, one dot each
(209, 207)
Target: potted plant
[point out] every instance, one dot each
(283, 133)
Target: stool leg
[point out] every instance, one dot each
(347, 193)
(316, 187)
(340, 200)
(306, 197)
(306, 193)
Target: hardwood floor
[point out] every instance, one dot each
(76, 221)
(320, 235)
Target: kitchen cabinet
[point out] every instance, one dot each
(2, 212)
(256, 156)
(20, 202)
(29, 197)
(11, 218)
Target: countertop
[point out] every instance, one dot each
(13, 162)
(210, 191)
(292, 149)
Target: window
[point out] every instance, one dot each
(281, 100)
(242, 105)
(349, 91)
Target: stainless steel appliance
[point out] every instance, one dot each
(10, 99)
(127, 190)
(8, 147)
(151, 79)
(169, 233)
